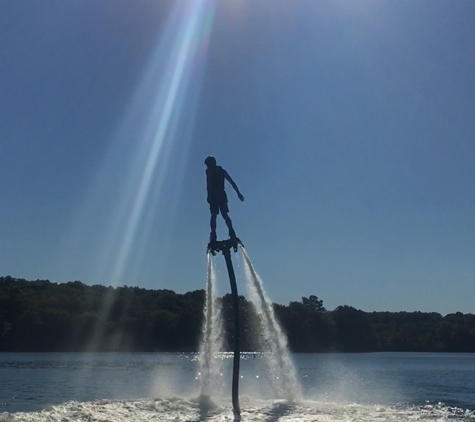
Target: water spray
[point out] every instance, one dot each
(212, 336)
(279, 361)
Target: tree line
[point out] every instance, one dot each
(42, 316)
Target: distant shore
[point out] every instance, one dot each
(42, 316)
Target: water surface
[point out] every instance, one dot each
(380, 386)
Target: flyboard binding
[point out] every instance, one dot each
(224, 245)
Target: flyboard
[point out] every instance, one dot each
(225, 246)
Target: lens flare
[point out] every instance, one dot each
(155, 129)
(165, 88)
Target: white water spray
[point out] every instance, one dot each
(212, 335)
(280, 364)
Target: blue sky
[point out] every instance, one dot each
(349, 126)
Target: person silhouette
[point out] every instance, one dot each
(217, 198)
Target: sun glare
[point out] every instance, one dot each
(150, 125)
(137, 162)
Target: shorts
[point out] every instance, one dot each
(219, 204)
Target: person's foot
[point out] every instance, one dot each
(232, 234)
(212, 237)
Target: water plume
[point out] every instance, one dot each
(281, 367)
(212, 335)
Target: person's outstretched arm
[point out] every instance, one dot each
(233, 184)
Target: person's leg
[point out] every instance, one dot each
(212, 236)
(229, 223)
(214, 210)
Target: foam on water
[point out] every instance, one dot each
(281, 367)
(202, 409)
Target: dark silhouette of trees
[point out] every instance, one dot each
(354, 331)
(44, 316)
(308, 325)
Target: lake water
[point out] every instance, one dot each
(161, 387)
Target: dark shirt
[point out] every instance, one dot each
(215, 177)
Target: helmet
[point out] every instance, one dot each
(210, 161)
